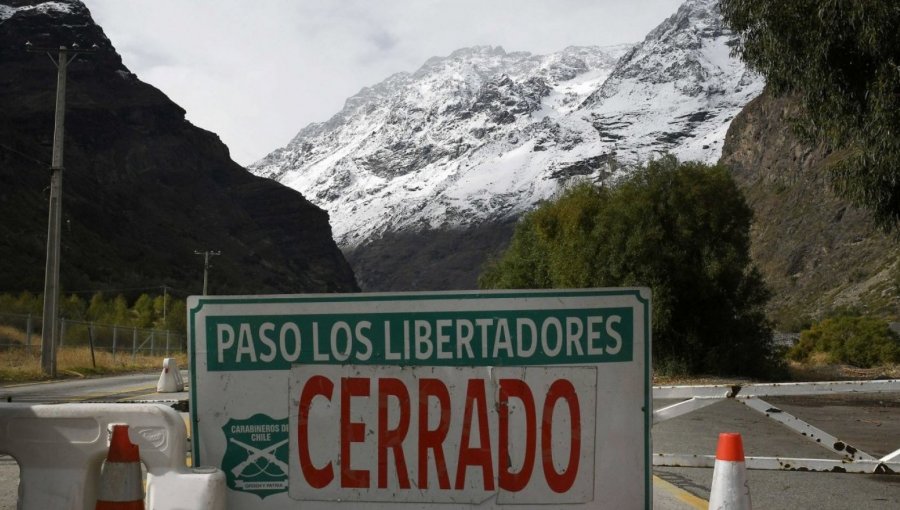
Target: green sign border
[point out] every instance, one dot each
(637, 293)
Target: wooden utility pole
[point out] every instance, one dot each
(50, 332)
(206, 254)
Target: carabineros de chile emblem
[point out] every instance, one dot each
(256, 457)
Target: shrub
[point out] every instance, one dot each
(851, 339)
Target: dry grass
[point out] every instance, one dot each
(9, 334)
(18, 366)
(823, 371)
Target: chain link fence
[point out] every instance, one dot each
(19, 331)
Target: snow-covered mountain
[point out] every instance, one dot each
(675, 92)
(483, 135)
(446, 143)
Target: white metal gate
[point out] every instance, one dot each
(852, 459)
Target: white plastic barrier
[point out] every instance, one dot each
(60, 448)
(170, 380)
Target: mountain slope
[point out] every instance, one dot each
(816, 251)
(142, 187)
(475, 139)
(675, 92)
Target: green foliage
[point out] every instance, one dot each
(156, 312)
(681, 229)
(142, 313)
(25, 303)
(839, 58)
(73, 307)
(852, 339)
(176, 317)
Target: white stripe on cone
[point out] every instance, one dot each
(730, 490)
(121, 481)
(121, 487)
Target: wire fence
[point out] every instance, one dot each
(18, 331)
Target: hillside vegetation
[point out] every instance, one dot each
(163, 312)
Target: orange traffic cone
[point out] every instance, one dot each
(121, 487)
(730, 490)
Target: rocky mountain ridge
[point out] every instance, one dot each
(477, 138)
(408, 151)
(142, 187)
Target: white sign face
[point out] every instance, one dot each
(529, 398)
(443, 435)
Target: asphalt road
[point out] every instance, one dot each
(98, 389)
(870, 422)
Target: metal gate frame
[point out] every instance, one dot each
(852, 459)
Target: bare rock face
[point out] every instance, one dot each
(443, 259)
(816, 251)
(143, 188)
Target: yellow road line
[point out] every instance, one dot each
(187, 423)
(681, 494)
(32, 383)
(145, 396)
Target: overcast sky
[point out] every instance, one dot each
(256, 72)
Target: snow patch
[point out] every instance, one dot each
(7, 12)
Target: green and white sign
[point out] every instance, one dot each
(525, 398)
(256, 456)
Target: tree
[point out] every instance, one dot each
(142, 315)
(840, 59)
(119, 310)
(99, 308)
(681, 229)
(176, 320)
(147, 311)
(73, 307)
(24, 303)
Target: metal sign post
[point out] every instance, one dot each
(525, 398)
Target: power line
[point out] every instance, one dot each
(23, 155)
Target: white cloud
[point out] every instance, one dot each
(256, 72)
